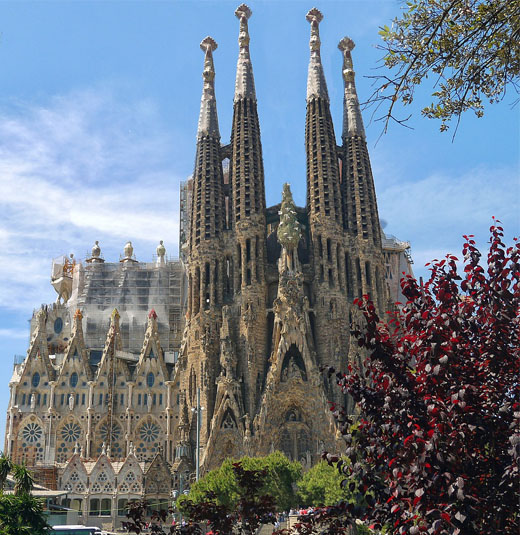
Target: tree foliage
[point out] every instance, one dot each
(322, 485)
(242, 515)
(281, 475)
(253, 508)
(20, 512)
(469, 49)
(437, 444)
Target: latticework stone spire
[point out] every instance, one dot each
(246, 167)
(358, 192)
(245, 82)
(208, 204)
(208, 208)
(364, 265)
(323, 195)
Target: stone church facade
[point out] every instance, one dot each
(104, 405)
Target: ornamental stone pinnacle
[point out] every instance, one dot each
(352, 119)
(316, 85)
(208, 119)
(289, 229)
(245, 82)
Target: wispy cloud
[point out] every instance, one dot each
(435, 211)
(82, 167)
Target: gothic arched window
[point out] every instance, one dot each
(150, 380)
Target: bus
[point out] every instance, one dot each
(75, 530)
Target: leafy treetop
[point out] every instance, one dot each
(469, 48)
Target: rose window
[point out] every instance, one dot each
(115, 433)
(112, 437)
(149, 432)
(32, 433)
(71, 432)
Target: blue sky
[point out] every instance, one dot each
(99, 105)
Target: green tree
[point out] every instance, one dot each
(24, 480)
(469, 49)
(282, 475)
(20, 513)
(322, 485)
(6, 465)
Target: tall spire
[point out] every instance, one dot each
(208, 205)
(246, 165)
(360, 214)
(316, 85)
(208, 119)
(245, 82)
(352, 120)
(323, 192)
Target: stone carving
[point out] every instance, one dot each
(71, 402)
(228, 422)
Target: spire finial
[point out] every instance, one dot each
(316, 85)
(208, 45)
(242, 13)
(208, 120)
(245, 82)
(352, 119)
(315, 16)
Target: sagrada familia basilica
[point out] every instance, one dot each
(136, 359)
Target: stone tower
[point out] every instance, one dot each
(270, 288)
(364, 257)
(324, 209)
(206, 266)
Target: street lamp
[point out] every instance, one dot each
(199, 409)
(183, 476)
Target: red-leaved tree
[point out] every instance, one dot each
(436, 444)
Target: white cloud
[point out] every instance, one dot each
(14, 333)
(434, 212)
(83, 167)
